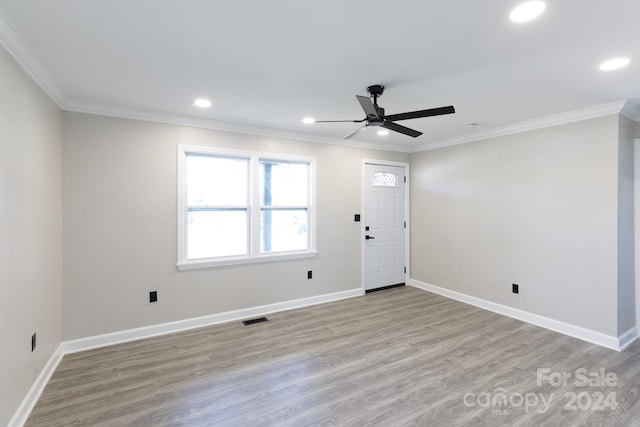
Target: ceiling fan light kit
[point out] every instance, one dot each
(375, 115)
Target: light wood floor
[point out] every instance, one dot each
(391, 358)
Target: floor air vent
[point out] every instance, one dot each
(254, 321)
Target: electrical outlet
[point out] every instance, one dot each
(33, 341)
(153, 296)
(515, 288)
(309, 274)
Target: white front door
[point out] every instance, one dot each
(385, 226)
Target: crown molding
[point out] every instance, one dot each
(617, 107)
(18, 48)
(263, 131)
(631, 110)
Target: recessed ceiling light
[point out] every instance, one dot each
(383, 132)
(614, 64)
(308, 120)
(202, 103)
(527, 11)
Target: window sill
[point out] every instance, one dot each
(221, 262)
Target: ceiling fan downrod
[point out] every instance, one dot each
(375, 91)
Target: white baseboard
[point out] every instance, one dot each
(21, 415)
(103, 340)
(73, 346)
(30, 400)
(608, 341)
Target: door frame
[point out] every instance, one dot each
(407, 240)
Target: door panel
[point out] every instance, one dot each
(376, 252)
(384, 225)
(393, 258)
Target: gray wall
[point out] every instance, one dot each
(119, 196)
(626, 236)
(30, 232)
(538, 208)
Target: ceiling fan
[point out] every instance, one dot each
(376, 117)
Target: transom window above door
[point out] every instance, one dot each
(384, 179)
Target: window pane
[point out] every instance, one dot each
(284, 230)
(384, 179)
(216, 233)
(216, 181)
(284, 184)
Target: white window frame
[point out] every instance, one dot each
(254, 255)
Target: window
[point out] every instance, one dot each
(236, 207)
(384, 179)
(284, 206)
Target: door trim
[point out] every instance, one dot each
(407, 213)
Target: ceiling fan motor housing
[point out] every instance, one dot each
(375, 90)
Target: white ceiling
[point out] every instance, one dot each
(267, 64)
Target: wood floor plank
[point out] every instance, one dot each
(399, 357)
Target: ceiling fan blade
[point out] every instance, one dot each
(422, 113)
(367, 106)
(338, 121)
(401, 129)
(357, 131)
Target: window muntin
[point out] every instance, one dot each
(237, 207)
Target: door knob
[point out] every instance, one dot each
(369, 237)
